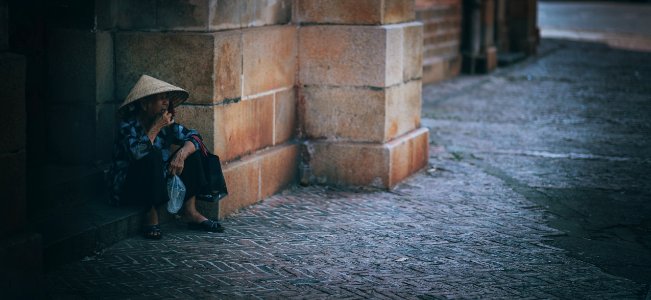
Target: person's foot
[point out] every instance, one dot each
(197, 221)
(207, 225)
(151, 229)
(193, 217)
(152, 232)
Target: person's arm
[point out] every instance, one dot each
(178, 161)
(182, 135)
(162, 120)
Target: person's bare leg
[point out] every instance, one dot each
(190, 211)
(152, 216)
(152, 231)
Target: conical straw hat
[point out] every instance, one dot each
(148, 85)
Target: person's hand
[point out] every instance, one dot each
(163, 119)
(177, 163)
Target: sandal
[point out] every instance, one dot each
(152, 232)
(207, 225)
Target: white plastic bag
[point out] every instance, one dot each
(176, 193)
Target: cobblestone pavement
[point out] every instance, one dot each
(537, 188)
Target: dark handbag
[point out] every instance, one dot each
(216, 189)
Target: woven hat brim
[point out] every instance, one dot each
(147, 86)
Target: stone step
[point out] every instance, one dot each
(84, 230)
(60, 187)
(75, 219)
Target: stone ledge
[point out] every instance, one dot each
(368, 164)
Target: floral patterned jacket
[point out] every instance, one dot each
(132, 143)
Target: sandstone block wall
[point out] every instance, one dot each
(256, 177)
(441, 38)
(358, 12)
(359, 91)
(4, 25)
(369, 164)
(12, 144)
(199, 16)
(80, 103)
(238, 61)
(343, 77)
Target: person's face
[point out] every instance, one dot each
(156, 105)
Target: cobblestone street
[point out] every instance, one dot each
(537, 188)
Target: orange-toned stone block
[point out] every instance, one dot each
(286, 118)
(269, 58)
(279, 168)
(349, 163)
(243, 183)
(194, 15)
(354, 12)
(200, 118)
(208, 65)
(234, 129)
(398, 11)
(345, 55)
(264, 12)
(413, 51)
(244, 127)
(361, 114)
(403, 109)
(226, 14)
(377, 56)
(344, 113)
(254, 178)
(409, 154)
(362, 164)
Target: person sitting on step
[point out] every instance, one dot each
(142, 157)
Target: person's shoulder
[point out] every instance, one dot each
(127, 123)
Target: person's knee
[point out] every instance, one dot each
(154, 156)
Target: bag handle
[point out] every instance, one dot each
(201, 145)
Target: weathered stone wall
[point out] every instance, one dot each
(238, 61)
(359, 81)
(20, 251)
(12, 133)
(441, 38)
(12, 143)
(81, 103)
